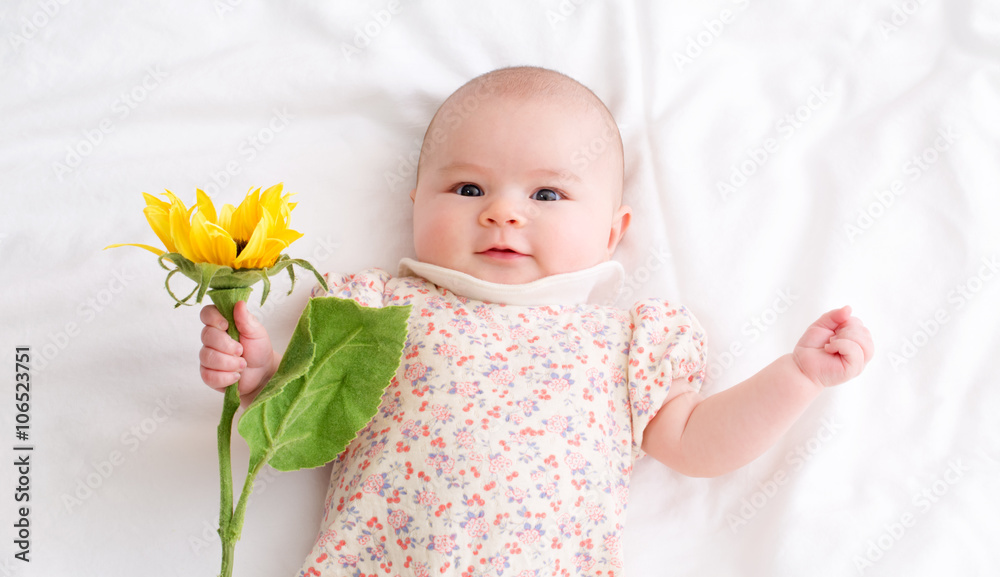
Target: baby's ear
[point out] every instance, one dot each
(619, 224)
(413, 195)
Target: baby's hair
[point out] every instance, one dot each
(518, 82)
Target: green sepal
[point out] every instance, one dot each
(213, 276)
(328, 385)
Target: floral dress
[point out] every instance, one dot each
(504, 443)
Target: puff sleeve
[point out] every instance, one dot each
(667, 356)
(367, 288)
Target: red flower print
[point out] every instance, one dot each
(612, 543)
(441, 412)
(443, 544)
(328, 536)
(556, 424)
(427, 498)
(558, 384)
(595, 512)
(464, 439)
(415, 371)
(515, 495)
(476, 527)
(519, 333)
(530, 534)
(501, 377)
(499, 464)
(375, 484)
(484, 313)
(446, 350)
(442, 463)
(576, 461)
(398, 519)
(467, 388)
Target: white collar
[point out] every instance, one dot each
(599, 284)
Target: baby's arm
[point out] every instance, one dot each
(709, 437)
(252, 361)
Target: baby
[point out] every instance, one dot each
(504, 444)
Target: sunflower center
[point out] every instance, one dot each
(240, 245)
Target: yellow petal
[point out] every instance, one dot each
(271, 197)
(201, 244)
(159, 220)
(205, 206)
(174, 201)
(245, 217)
(273, 191)
(224, 245)
(288, 236)
(250, 256)
(180, 231)
(151, 249)
(272, 250)
(153, 201)
(225, 218)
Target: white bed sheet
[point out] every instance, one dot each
(860, 142)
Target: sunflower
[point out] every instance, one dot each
(226, 253)
(232, 248)
(252, 235)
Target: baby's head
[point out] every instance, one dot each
(520, 177)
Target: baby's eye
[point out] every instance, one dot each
(470, 190)
(545, 194)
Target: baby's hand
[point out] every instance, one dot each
(251, 361)
(834, 349)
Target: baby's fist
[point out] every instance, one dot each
(834, 349)
(251, 361)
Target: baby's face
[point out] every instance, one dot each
(519, 190)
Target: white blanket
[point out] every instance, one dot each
(783, 159)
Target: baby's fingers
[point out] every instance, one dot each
(220, 340)
(833, 319)
(856, 332)
(211, 317)
(851, 354)
(218, 380)
(220, 369)
(222, 358)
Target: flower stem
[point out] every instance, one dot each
(228, 550)
(225, 300)
(241, 505)
(230, 404)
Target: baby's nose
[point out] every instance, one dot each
(502, 212)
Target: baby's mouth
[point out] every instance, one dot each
(501, 253)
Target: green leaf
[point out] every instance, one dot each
(328, 385)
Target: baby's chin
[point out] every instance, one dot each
(502, 273)
(513, 273)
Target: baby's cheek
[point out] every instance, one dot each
(579, 247)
